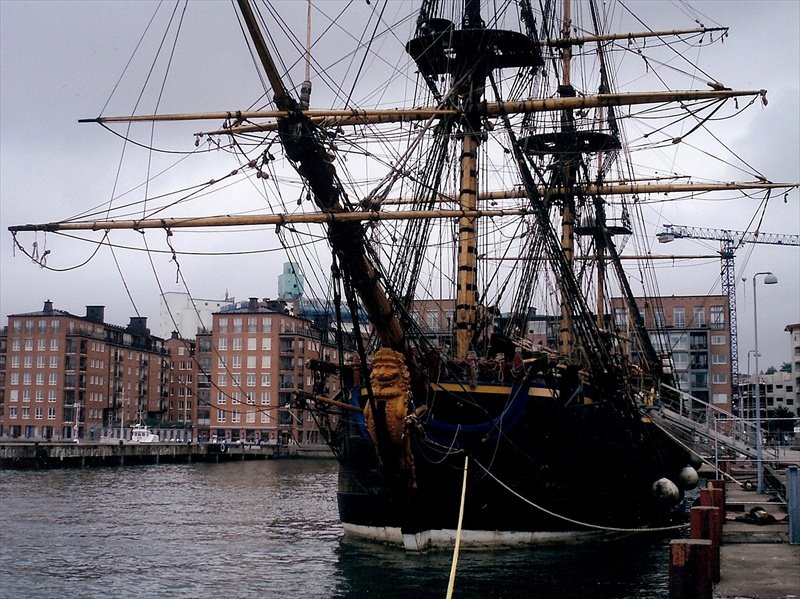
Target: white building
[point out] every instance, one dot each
(179, 313)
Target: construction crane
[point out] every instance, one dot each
(730, 241)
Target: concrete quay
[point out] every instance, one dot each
(21, 455)
(756, 560)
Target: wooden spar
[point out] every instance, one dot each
(371, 117)
(611, 189)
(282, 98)
(375, 215)
(609, 37)
(592, 257)
(264, 219)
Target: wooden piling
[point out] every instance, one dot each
(711, 497)
(690, 575)
(720, 484)
(705, 525)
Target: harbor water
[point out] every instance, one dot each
(262, 529)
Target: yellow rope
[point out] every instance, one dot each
(451, 583)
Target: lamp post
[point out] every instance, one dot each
(742, 403)
(769, 279)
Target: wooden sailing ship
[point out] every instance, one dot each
(506, 159)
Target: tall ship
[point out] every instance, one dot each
(468, 247)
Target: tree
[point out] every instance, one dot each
(787, 367)
(770, 370)
(786, 425)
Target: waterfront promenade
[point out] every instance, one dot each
(52, 454)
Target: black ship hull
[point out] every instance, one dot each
(539, 471)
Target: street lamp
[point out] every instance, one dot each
(769, 279)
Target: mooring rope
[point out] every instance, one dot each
(571, 520)
(451, 583)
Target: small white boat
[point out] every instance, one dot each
(141, 434)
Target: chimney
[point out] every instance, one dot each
(48, 307)
(96, 313)
(252, 304)
(138, 324)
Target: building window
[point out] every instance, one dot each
(717, 317)
(40, 344)
(265, 398)
(39, 361)
(250, 417)
(720, 379)
(719, 359)
(222, 379)
(251, 398)
(266, 324)
(679, 317)
(54, 345)
(223, 344)
(15, 344)
(38, 414)
(51, 413)
(266, 362)
(29, 345)
(28, 362)
(699, 316)
(236, 379)
(717, 339)
(266, 379)
(252, 324)
(264, 417)
(266, 343)
(51, 396)
(251, 361)
(221, 415)
(14, 361)
(221, 398)
(252, 344)
(12, 412)
(236, 398)
(251, 379)
(659, 319)
(237, 325)
(719, 398)
(236, 416)
(39, 396)
(237, 344)
(223, 325)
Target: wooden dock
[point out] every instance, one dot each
(756, 560)
(51, 454)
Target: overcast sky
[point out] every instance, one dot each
(59, 62)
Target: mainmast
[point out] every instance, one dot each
(468, 55)
(566, 164)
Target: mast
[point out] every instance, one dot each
(467, 265)
(566, 164)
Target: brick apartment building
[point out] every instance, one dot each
(70, 376)
(257, 353)
(695, 329)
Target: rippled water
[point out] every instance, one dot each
(261, 529)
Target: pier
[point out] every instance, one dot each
(743, 544)
(51, 454)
